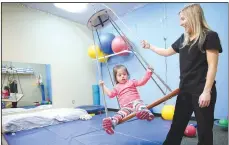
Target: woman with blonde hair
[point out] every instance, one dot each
(198, 49)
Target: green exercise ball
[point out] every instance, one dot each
(223, 122)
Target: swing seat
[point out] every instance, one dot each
(155, 103)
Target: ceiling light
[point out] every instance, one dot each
(72, 7)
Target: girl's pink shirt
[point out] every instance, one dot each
(127, 92)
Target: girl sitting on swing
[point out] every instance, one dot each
(128, 97)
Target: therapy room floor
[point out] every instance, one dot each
(133, 132)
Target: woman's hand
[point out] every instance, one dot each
(145, 44)
(205, 99)
(160, 51)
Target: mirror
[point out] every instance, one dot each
(25, 85)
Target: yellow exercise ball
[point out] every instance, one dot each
(168, 112)
(101, 54)
(91, 51)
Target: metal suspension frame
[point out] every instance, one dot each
(100, 75)
(164, 26)
(106, 65)
(97, 60)
(134, 51)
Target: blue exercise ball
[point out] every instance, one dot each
(106, 41)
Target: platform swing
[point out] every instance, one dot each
(101, 19)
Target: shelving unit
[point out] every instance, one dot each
(17, 70)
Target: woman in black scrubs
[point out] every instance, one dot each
(198, 49)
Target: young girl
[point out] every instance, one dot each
(128, 97)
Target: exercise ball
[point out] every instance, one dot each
(223, 122)
(106, 40)
(118, 45)
(92, 51)
(167, 112)
(190, 131)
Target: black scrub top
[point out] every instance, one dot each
(193, 62)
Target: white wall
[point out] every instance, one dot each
(32, 36)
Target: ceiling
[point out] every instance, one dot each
(119, 8)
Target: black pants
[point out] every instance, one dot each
(185, 105)
(14, 104)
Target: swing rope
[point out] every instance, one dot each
(100, 75)
(107, 67)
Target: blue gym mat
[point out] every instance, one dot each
(132, 132)
(101, 138)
